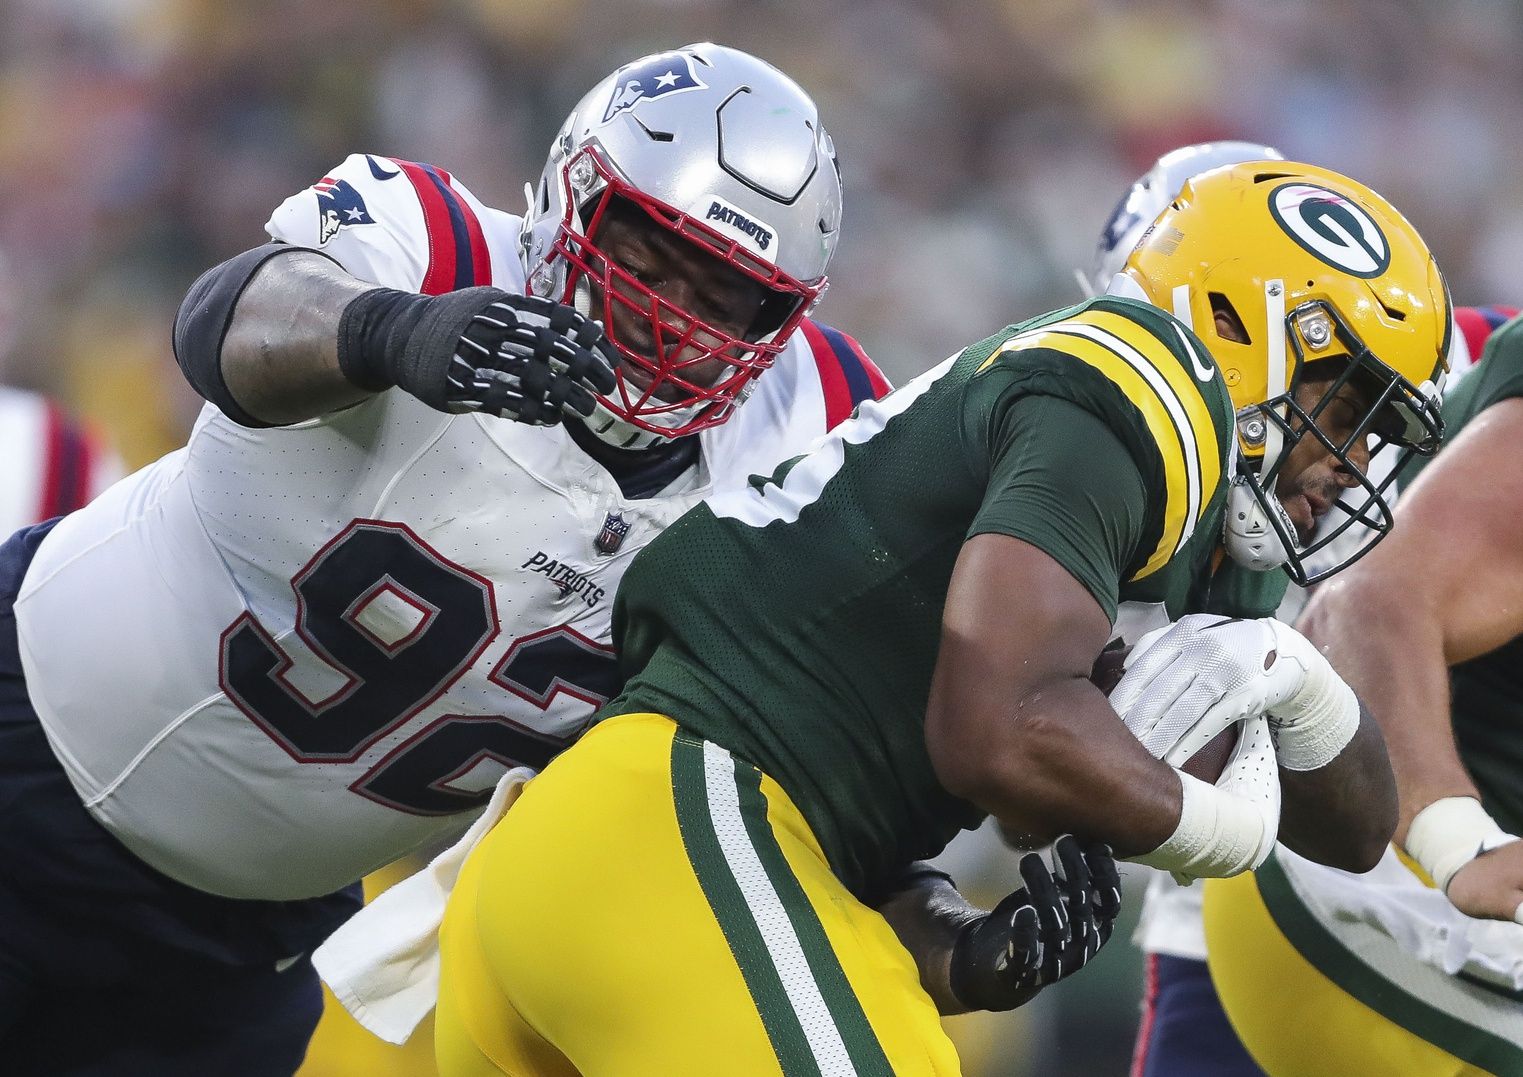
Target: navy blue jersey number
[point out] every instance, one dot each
(536, 668)
(398, 623)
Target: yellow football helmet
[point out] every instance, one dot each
(1310, 266)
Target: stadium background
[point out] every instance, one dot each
(983, 145)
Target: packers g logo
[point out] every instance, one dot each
(1331, 228)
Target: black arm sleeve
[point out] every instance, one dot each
(202, 321)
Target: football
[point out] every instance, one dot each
(1206, 764)
(1109, 667)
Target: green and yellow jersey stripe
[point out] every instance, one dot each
(1154, 379)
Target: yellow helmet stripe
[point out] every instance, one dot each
(1168, 419)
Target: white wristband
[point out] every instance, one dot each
(1219, 834)
(1313, 726)
(1450, 833)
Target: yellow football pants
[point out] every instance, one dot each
(654, 906)
(1296, 1021)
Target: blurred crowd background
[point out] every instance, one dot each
(983, 144)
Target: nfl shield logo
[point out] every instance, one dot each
(615, 527)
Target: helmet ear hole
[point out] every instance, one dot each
(775, 310)
(1223, 310)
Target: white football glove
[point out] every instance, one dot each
(1178, 677)
(1186, 683)
(1229, 827)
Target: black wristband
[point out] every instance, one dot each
(374, 327)
(387, 337)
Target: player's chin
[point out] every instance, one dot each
(641, 380)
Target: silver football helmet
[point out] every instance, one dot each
(724, 151)
(1151, 194)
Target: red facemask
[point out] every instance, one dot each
(674, 403)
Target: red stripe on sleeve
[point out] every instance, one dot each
(881, 387)
(54, 478)
(838, 403)
(1477, 323)
(1475, 327)
(481, 258)
(440, 275)
(84, 481)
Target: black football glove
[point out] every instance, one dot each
(1048, 929)
(478, 349)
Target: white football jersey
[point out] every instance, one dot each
(50, 466)
(279, 659)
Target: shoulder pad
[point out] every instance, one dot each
(1142, 372)
(847, 375)
(392, 222)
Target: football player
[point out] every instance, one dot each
(1386, 975)
(941, 574)
(51, 464)
(309, 642)
(1183, 1029)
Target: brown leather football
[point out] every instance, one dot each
(1109, 667)
(1208, 763)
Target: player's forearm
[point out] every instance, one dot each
(280, 355)
(1060, 761)
(927, 914)
(1342, 814)
(1391, 653)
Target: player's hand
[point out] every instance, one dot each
(1186, 683)
(530, 359)
(1048, 929)
(1491, 885)
(477, 349)
(1176, 675)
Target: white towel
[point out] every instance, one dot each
(1417, 918)
(383, 964)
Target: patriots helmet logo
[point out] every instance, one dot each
(654, 76)
(1122, 219)
(338, 204)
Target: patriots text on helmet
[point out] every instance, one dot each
(722, 213)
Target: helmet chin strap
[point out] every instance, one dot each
(1249, 536)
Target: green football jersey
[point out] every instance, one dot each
(1488, 691)
(796, 623)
